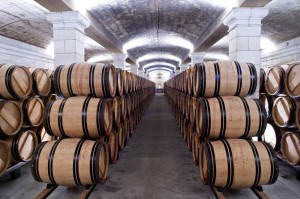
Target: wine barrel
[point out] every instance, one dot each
(11, 117)
(121, 136)
(268, 101)
(231, 117)
(195, 148)
(113, 146)
(41, 81)
(5, 156)
(119, 81)
(290, 147)
(284, 112)
(33, 110)
(126, 81)
(79, 117)
(15, 81)
(224, 78)
(274, 80)
(85, 79)
(222, 165)
(70, 162)
(116, 109)
(123, 107)
(22, 145)
(262, 88)
(272, 135)
(292, 80)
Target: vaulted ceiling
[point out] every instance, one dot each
(154, 33)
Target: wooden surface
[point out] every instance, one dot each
(290, 147)
(11, 117)
(5, 156)
(292, 80)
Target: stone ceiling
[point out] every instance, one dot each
(164, 27)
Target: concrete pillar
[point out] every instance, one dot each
(120, 60)
(197, 57)
(183, 68)
(141, 73)
(134, 69)
(244, 36)
(177, 71)
(68, 36)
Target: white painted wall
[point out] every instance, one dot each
(285, 52)
(159, 81)
(16, 52)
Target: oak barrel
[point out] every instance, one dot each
(15, 81)
(33, 110)
(274, 80)
(113, 145)
(11, 117)
(41, 81)
(292, 80)
(268, 101)
(222, 165)
(22, 145)
(5, 156)
(70, 162)
(284, 112)
(79, 117)
(116, 108)
(262, 88)
(272, 135)
(85, 79)
(119, 82)
(231, 117)
(224, 78)
(290, 147)
(42, 134)
(121, 136)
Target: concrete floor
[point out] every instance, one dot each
(155, 164)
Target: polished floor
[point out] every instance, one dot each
(155, 164)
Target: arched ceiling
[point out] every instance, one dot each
(144, 27)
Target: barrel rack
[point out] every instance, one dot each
(14, 171)
(258, 191)
(296, 167)
(88, 189)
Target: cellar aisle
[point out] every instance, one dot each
(155, 164)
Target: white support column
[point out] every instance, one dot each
(134, 69)
(183, 68)
(197, 57)
(244, 36)
(120, 60)
(68, 36)
(141, 73)
(177, 71)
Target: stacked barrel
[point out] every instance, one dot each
(98, 108)
(218, 120)
(23, 96)
(280, 92)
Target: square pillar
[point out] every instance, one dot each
(134, 69)
(68, 36)
(244, 36)
(119, 60)
(141, 73)
(196, 57)
(183, 68)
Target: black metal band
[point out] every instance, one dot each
(69, 79)
(60, 118)
(239, 78)
(50, 161)
(76, 162)
(223, 118)
(248, 117)
(84, 118)
(257, 164)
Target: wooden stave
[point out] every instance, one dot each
(204, 126)
(278, 134)
(295, 143)
(102, 105)
(94, 159)
(120, 82)
(2, 131)
(268, 101)
(108, 86)
(207, 148)
(9, 92)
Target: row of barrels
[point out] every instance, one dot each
(222, 138)
(281, 80)
(21, 129)
(93, 121)
(219, 78)
(217, 122)
(19, 82)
